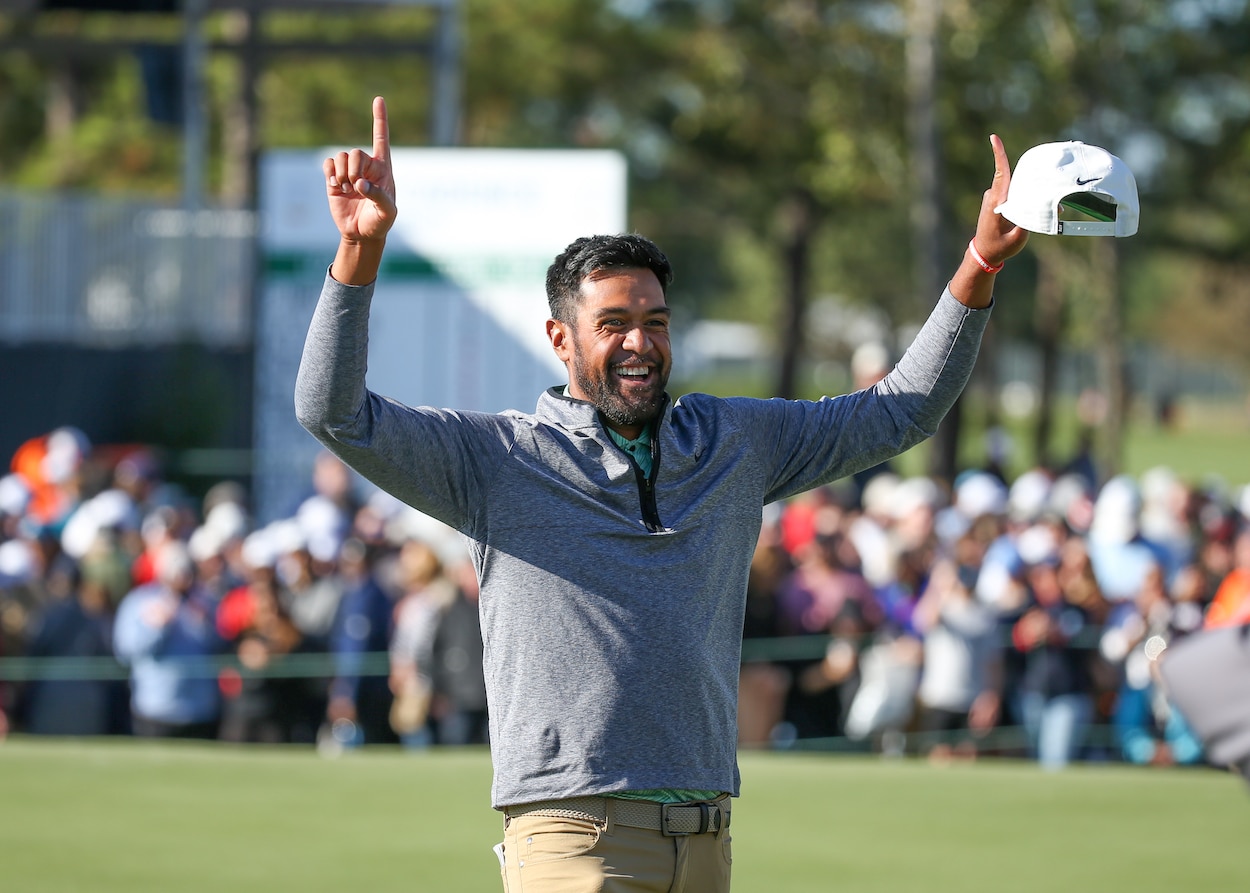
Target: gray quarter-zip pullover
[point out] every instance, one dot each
(612, 607)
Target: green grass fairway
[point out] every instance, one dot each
(131, 817)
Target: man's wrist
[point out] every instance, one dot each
(357, 261)
(981, 260)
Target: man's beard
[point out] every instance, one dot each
(614, 405)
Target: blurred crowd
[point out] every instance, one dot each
(131, 607)
(892, 613)
(1017, 616)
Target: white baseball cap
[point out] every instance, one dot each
(1078, 177)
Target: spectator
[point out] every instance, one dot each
(258, 706)
(913, 514)
(1056, 700)
(459, 682)
(15, 500)
(309, 594)
(1148, 729)
(771, 565)
(810, 598)
(101, 536)
(309, 589)
(871, 531)
(1188, 591)
(1120, 555)
(1231, 603)
(884, 702)
(983, 500)
(827, 576)
(835, 680)
(216, 546)
(1215, 556)
(959, 693)
(23, 590)
(425, 594)
(51, 467)
(158, 527)
(78, 627)
(763, 684)
(899, 599)
(1078, 580)
(360, 698)
(166, 633)
(1164, 518)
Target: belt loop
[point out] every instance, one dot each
(609, 815)
(705, 817)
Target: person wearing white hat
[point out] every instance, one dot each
(15, 496)
(51, 466)
(1121, 556)
(166, 633)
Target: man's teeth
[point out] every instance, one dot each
(633, 371)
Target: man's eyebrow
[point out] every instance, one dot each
(624, 311)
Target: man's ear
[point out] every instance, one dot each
(561, 339)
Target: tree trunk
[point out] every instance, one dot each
(240, 133)
(1112, 368)
(1048, 323)
(922, 24)
(64, 101)
(798, 226)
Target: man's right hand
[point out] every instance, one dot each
(360, 190)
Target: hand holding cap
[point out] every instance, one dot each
(997, 238)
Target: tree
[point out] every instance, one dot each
(769, 144)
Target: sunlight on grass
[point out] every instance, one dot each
(134, 817)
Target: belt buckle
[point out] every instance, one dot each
(705, 818)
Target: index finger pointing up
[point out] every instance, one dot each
(381, 130)
(1002, 165)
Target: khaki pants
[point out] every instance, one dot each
(544, 854)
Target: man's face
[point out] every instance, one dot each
(617, 351)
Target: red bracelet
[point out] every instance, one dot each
(982, 262)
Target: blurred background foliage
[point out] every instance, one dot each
(773, 145)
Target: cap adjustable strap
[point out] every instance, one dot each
(1086, 228)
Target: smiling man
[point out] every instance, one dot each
(609, 326)
(612, 531)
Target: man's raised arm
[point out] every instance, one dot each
(360, 190)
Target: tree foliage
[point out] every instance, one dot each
(767, 142)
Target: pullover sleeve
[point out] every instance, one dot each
(809, 444)
(932, 374)
(432, 459)
(330, 391)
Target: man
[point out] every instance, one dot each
(612, 531)
(166, 633)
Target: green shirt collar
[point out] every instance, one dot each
(639, 447)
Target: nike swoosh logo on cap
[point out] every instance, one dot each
(1080, 182)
